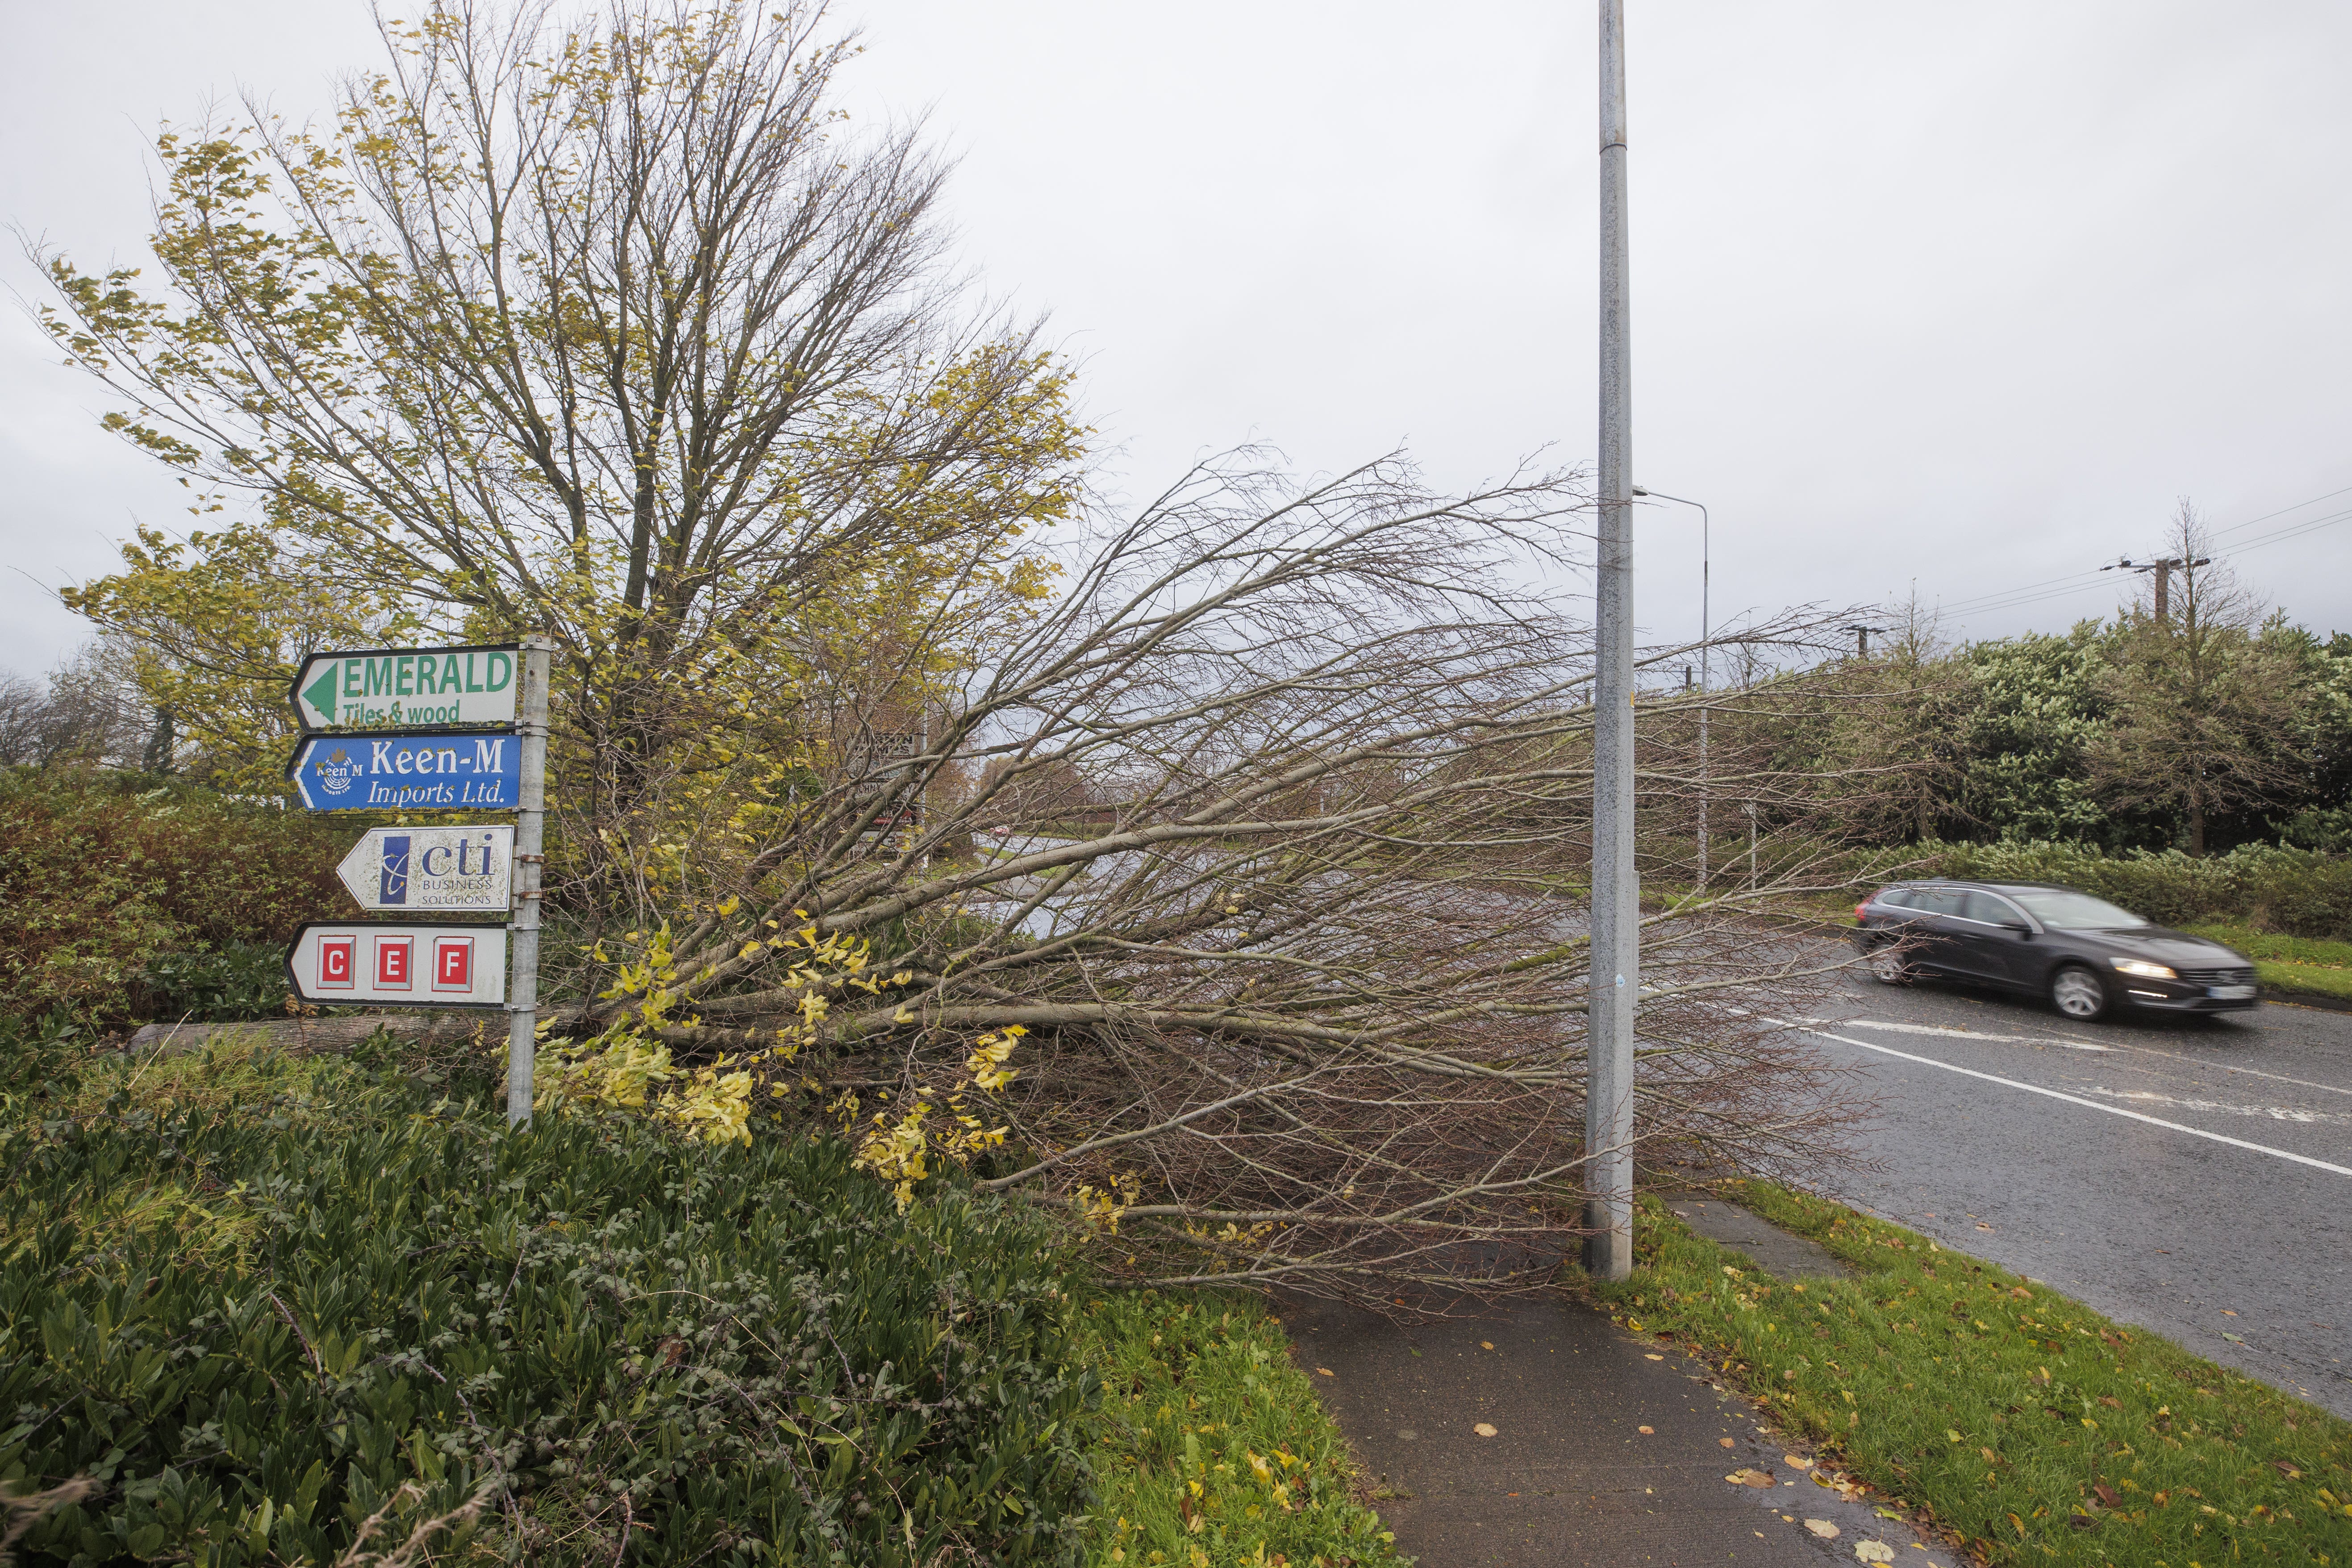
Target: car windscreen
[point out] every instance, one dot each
(2063, 910)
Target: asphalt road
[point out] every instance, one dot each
(2226, 1230)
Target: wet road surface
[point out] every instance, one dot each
(2191, 1176)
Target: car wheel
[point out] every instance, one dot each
(1887, 969)
(2077, 992)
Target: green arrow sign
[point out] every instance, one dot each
(321, 693)
(406, 687)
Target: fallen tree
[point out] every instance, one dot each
(1266, 843)
(1217, 872)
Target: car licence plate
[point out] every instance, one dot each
(2231, 993)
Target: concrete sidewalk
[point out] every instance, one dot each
(1606, 1449)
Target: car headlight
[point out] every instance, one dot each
(2143, 970)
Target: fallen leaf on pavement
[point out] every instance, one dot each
(1981, 1225)
(1823, 1528)
(1647, 1431)
(1326, 1372)
(1796, 1462)
(1482, 1429)
(1873, 1551)
(1726, 1443)
(1646, 1356)
(2233, 1339)
(1748, 1477)
(1485, 1345)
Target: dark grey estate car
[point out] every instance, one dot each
(2082, 954)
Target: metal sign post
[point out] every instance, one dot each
(422, 728)
(531, 817)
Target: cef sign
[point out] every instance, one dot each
(375, 961)
(405, 688)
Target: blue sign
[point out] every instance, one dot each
(427, 771)
(392, 885)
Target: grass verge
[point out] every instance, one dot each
(1211, 1448)
(2306, 963)
(1995, 1411)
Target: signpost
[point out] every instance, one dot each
(406, 687)
(451, 868)
(431, 965)
(429, 728)
(428, 769)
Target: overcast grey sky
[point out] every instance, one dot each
(1964, 295)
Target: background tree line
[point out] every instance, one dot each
(2219, 725)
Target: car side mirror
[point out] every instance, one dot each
(2017, 928)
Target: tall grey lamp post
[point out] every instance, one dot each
(1703, 650)
(1614, 980)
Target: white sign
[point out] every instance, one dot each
(410, 965)
(406, 687)
(452, 868)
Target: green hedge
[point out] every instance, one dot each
(254, 1325)
(102, 874)
(2292, 891)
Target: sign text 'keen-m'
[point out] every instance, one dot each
(387, 688)
(429, 771)
(441, 869)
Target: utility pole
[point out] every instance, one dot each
(1862, 640)
(1615, 978)
(2163, 570)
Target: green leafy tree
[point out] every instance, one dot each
(614, 331)
(2322, 814)
(2208, 700)
(212, 627)
(2034, 706)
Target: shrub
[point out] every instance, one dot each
(254, 1326)
(99, 876)
(237, 981)
(2297, 891)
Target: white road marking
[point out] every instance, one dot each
(2225, 1067)
(2069, 1098)
(2275, 1112)
(2077, 1045)
(1964, 1033)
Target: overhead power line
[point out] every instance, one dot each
(2021, 594)
(2283, 512)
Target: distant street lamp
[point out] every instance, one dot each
(1705, 526)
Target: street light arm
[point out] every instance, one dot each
(1705, 529)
